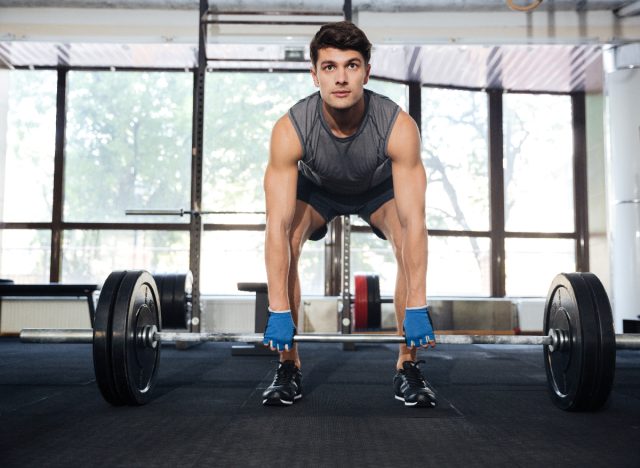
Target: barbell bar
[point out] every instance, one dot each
(150, 337)
(43, 335)
(579, 344)
(181, 212)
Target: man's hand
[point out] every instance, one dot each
(279, 332)
(418, 330)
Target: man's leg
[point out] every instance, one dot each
(305, 222)
(409, 384)
(287, 383)
(386, 219)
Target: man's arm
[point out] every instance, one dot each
(280, 183)
(410, 184)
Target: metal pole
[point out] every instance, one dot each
(628, 341)
(43, 335)
(195, 225)
(356, 338)
(36, 335)
(181, 212)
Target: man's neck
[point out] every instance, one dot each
(344, 122)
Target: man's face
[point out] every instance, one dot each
(341, 76)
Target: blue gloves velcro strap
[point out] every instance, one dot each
(418, 330)
(280, 330)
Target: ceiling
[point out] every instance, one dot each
(552, 68)
(547, 59)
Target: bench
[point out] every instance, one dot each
(9, 289)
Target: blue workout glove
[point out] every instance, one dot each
(280, 330)
(417, 327)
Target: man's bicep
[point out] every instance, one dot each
(280, 185)
(409, 178)
(409, 184)
(281, 176)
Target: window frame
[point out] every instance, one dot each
(497, 233)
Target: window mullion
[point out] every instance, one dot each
(496, 184)
(58, 176)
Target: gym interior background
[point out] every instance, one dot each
(98, 104)
(530, 139)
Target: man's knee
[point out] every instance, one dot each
(296, 242)
(397, 252)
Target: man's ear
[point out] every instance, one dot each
(314, 76)
(368, 72)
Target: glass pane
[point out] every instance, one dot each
(89, 256)
(241, 109)
(232, 257)
(25, 255)
(458, 266)
(531, 264)
(128, 145)
(455, 153)
(397, 92)
(26, 171)
(538, 170)
(372, 255)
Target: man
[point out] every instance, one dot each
(345, 150)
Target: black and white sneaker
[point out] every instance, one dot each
(286, 386)
(409, 386)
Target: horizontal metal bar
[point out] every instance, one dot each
(267, 23)
(36, 335)
(628, 341)
(182, 212)
(156, 212)
(273, 13)
(54, 335)
(355, 338)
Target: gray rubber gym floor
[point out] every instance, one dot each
(493, 410)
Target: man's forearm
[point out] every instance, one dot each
(414, 257)
(277, 257)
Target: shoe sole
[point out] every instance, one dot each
(418, 404)
(280, 401)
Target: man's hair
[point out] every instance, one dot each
(343, 35)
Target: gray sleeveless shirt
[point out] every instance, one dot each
(351, 165)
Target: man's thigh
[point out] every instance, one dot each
(386, 220)
(306, 222)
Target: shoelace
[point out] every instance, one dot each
(284, 375)
(414, 376)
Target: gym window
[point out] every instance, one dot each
(128, 145)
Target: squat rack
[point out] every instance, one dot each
(335, 243)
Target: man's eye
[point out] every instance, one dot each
(329, 67)
(353, 66)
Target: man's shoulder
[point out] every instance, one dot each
(381, 99)
(303, 114)
(307, 101)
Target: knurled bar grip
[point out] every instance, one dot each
(44, 335)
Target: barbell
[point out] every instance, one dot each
(579, 342)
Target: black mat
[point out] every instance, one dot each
(494, 411)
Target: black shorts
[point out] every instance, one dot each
(330, 205)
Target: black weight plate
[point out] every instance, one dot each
(374, 319)
(159, 279)
(606, 364)
(182, 298)
(135, 365)
(571, 372)
(102, 338)
(166, 300)
(179, 314)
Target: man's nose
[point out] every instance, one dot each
(341, 76)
